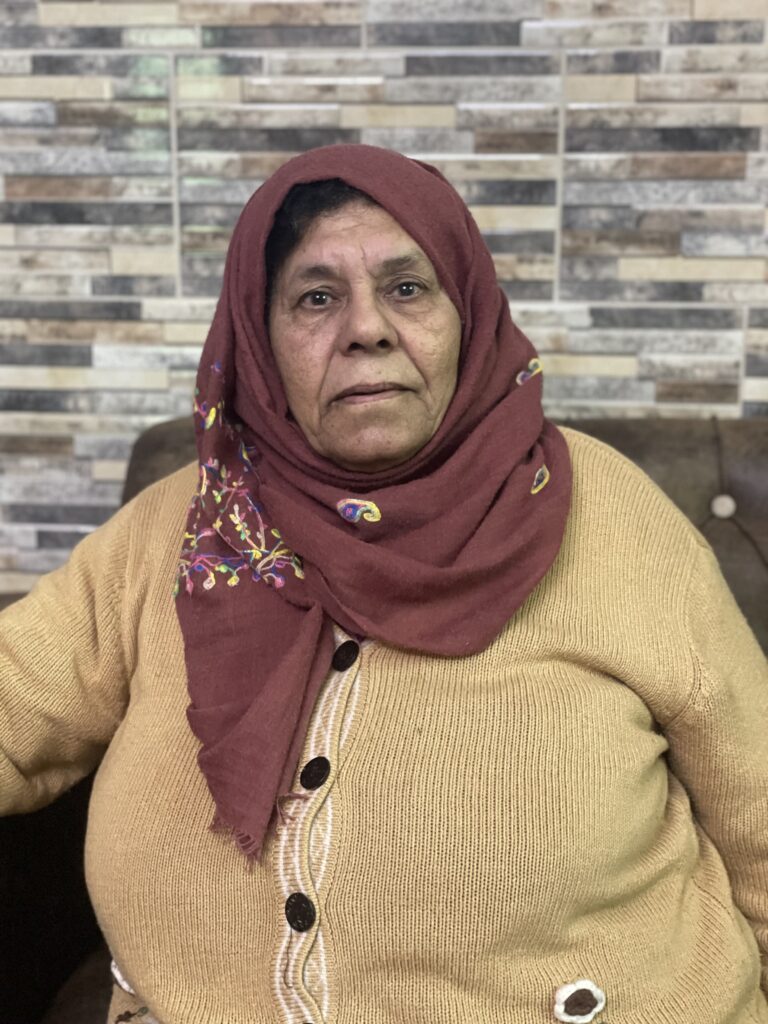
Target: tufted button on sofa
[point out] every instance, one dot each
(716, 471)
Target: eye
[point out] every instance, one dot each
(408, 289)
(315, 299)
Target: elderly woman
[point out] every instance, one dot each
(449, 715)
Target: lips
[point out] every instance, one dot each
(369, 389)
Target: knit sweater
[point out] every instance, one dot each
(582, 804)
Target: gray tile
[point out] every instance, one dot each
(455, 10)
(508, 193)
(18, 354)
(633, 340)
(82, 161)
(682, 33)
(88, 515)
(758, 318)
(625, 389)
(482, 64)
(750, 409)
(634, 140)
(600, 218)
(658, 193)
(141, 88)
(24, 13)
(86, 213)
(756, 364)
(444, 33)
(723, 244)
(521, 242)
(47, 539)
(22, 309)
(195, 287)
(137, 285)
(145, 357)
(21, 400)
(27, 113)
(647, 318)
(143, 140)
(697, 392)
(31, 37)
(220, 64)
(589, 268)
(209, 215)
(533, 291)
(616, 62)
(477, 88)
(206, 265)
(237, 37)
(117, 65)
(696, 369)
(15, 63)
(271, 139)
(631, 291)
(419, 140)
(101, 446)
(213, 190)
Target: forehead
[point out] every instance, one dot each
(358, 233)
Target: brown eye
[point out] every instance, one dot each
(315, 299)
(407, 289)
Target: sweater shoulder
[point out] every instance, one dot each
(610, 488)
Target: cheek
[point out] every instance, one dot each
(301, 370)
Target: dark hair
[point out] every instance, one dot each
(303, 205)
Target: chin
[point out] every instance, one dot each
(373, 460)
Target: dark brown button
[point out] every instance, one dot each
(315, 772)
(300, 912)
(345, 655)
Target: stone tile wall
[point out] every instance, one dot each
(614, 152)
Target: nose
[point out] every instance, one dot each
(367, 325)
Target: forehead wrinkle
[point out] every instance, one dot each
(392, 265)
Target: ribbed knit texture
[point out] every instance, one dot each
(502, 824)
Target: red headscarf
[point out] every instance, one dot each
(434, 555)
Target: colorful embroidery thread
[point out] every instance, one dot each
(353, 509)
(257, 550)
(540, 480)
(534, 367)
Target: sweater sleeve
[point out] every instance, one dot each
(719, 741)
(65, 653)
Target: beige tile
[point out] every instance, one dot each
(7, 234)
(109, 469)
(496, 167)
(68, 332)
(28, 285)
(393, 116)
(94, 260)
(515, 218)
(185, 333)
(226, 89)
(332, 12)
(754, 115)
(313, 90)
(55, 87)
(736, 292)
(687, 88)
(118, 14)
(510, 267)
(130, 260)
(593, 88)
(178, 309)
(682, 269)
(82, 378)
(17, 582)
(589, 366)
(716, 10)
(757, 340)
(754, 389)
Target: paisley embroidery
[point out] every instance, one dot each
(534, 367)
(258, 551)
(540, 480)
(352, 509)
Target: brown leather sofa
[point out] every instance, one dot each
(715, 471)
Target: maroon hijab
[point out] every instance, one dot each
(434, 555)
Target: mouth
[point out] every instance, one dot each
(370, 392)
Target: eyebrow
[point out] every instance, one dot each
(391, 266)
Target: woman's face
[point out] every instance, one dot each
(365, 339)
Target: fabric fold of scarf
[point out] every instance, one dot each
(435, 555)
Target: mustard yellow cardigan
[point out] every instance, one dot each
(572, 825)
